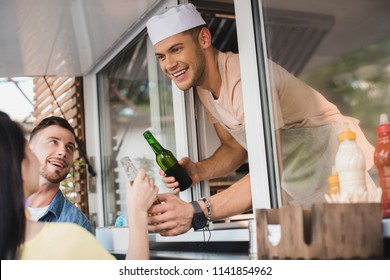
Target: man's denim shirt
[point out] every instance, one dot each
(62, 210)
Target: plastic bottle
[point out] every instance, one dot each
(334, 184)
(121, 221)
(168, 162)
(350, 165)
(382, 162)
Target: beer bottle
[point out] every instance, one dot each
(168, 162)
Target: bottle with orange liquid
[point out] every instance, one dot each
(333, 180)
(350, 164)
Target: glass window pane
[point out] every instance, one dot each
(133, 96)
(342, 55)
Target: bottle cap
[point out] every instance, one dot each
(384, 125)
(347, 134)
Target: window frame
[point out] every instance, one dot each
(258, 114)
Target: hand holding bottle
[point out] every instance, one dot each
(136, 197)
(141, 194)
(189, 166)
(168, 162)
(131, 172)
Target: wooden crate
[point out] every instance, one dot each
(326, 231)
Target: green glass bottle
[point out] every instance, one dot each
(168, 162)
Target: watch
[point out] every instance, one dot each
(199, 219)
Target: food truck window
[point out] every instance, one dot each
(220, 19)
(133, 96)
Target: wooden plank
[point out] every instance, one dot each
(57, 89)
(54, 84)
(47, 98)
(326, 231)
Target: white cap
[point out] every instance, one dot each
(173, 21)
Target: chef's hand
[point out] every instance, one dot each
(172, 217)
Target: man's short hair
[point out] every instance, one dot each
(49, 121)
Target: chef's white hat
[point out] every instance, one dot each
(173, 21)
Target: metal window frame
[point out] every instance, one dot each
(257, 107)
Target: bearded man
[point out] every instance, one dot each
(53, 141)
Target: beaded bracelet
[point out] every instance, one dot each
(208, 206)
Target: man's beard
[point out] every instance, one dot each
(53, 177)
(198, 70)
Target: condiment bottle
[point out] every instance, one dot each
(168, 162)
(350, 164)
(382, 162)
(333, 180)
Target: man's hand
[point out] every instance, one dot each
(172, 217)
(189, 166)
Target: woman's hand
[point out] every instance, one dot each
(141, 195)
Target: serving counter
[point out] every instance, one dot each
(193, 245)
(222, 244)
